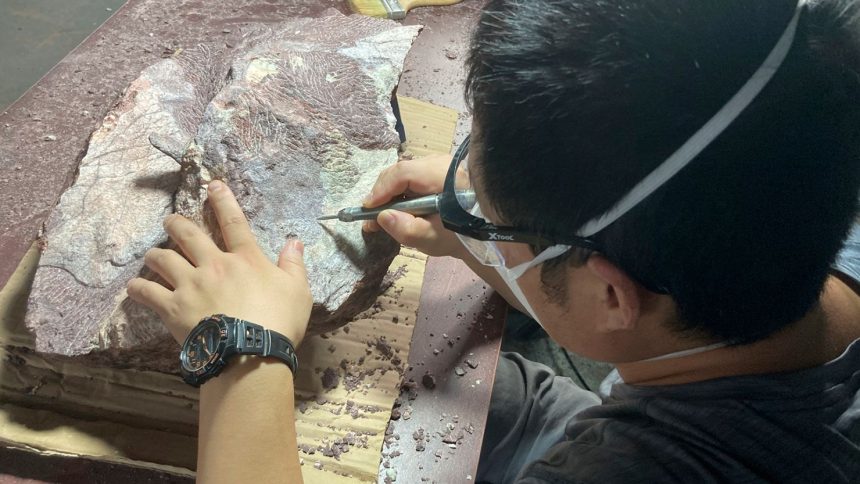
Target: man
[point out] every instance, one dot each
(665, 185)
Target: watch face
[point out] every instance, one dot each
(202, 344)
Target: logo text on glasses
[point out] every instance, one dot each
(497, 236)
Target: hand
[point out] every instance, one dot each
(241, 282)
(414, 178)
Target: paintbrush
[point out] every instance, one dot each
(393, 9)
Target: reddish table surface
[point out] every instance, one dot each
(452, 365)
(44, 135)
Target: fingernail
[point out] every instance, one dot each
(215, 185)
(388, 218)
(367, 200)
(296, 246)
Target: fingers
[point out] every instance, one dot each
(419, 177)
(234, 226)
(407, 229)
(169, 265)
(370, 226)
(195, 244)
(150, 294)
(292, 258)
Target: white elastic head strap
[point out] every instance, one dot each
(548, 253)
(704, 136)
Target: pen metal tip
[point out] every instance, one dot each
(327, 217)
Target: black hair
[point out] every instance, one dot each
(577, 100)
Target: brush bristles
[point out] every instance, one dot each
(373, 8)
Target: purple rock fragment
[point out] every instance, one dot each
(429, 381)
(330, 379)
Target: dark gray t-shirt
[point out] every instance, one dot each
(801, 426)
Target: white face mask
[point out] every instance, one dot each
(488, 253)
(691, 351)
(510, 275)
(614, 377)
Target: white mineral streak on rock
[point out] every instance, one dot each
(301, 126)
(380, 55)
(258, 69)
(296, 62)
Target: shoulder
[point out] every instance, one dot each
(645, 440)
(617, 460)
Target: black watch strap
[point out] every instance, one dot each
(253, 339)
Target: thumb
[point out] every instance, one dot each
(407, 229)
(292, 257)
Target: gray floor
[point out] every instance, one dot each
(36, 34)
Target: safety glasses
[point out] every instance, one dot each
(461, 214)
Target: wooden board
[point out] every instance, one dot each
(429, 129)
(358, 409)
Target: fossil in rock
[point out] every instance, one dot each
(296, 119)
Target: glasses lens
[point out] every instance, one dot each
(463, 185)
(483, 251)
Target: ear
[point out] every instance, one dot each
(622, 298)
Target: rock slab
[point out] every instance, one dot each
(296, 119)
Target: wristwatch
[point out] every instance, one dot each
(217, 338)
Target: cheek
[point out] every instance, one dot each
(554, 316)
(566, 323)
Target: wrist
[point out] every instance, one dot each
(291, 327)
(220, 342)
(252, 370)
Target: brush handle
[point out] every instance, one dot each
(410, 4)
